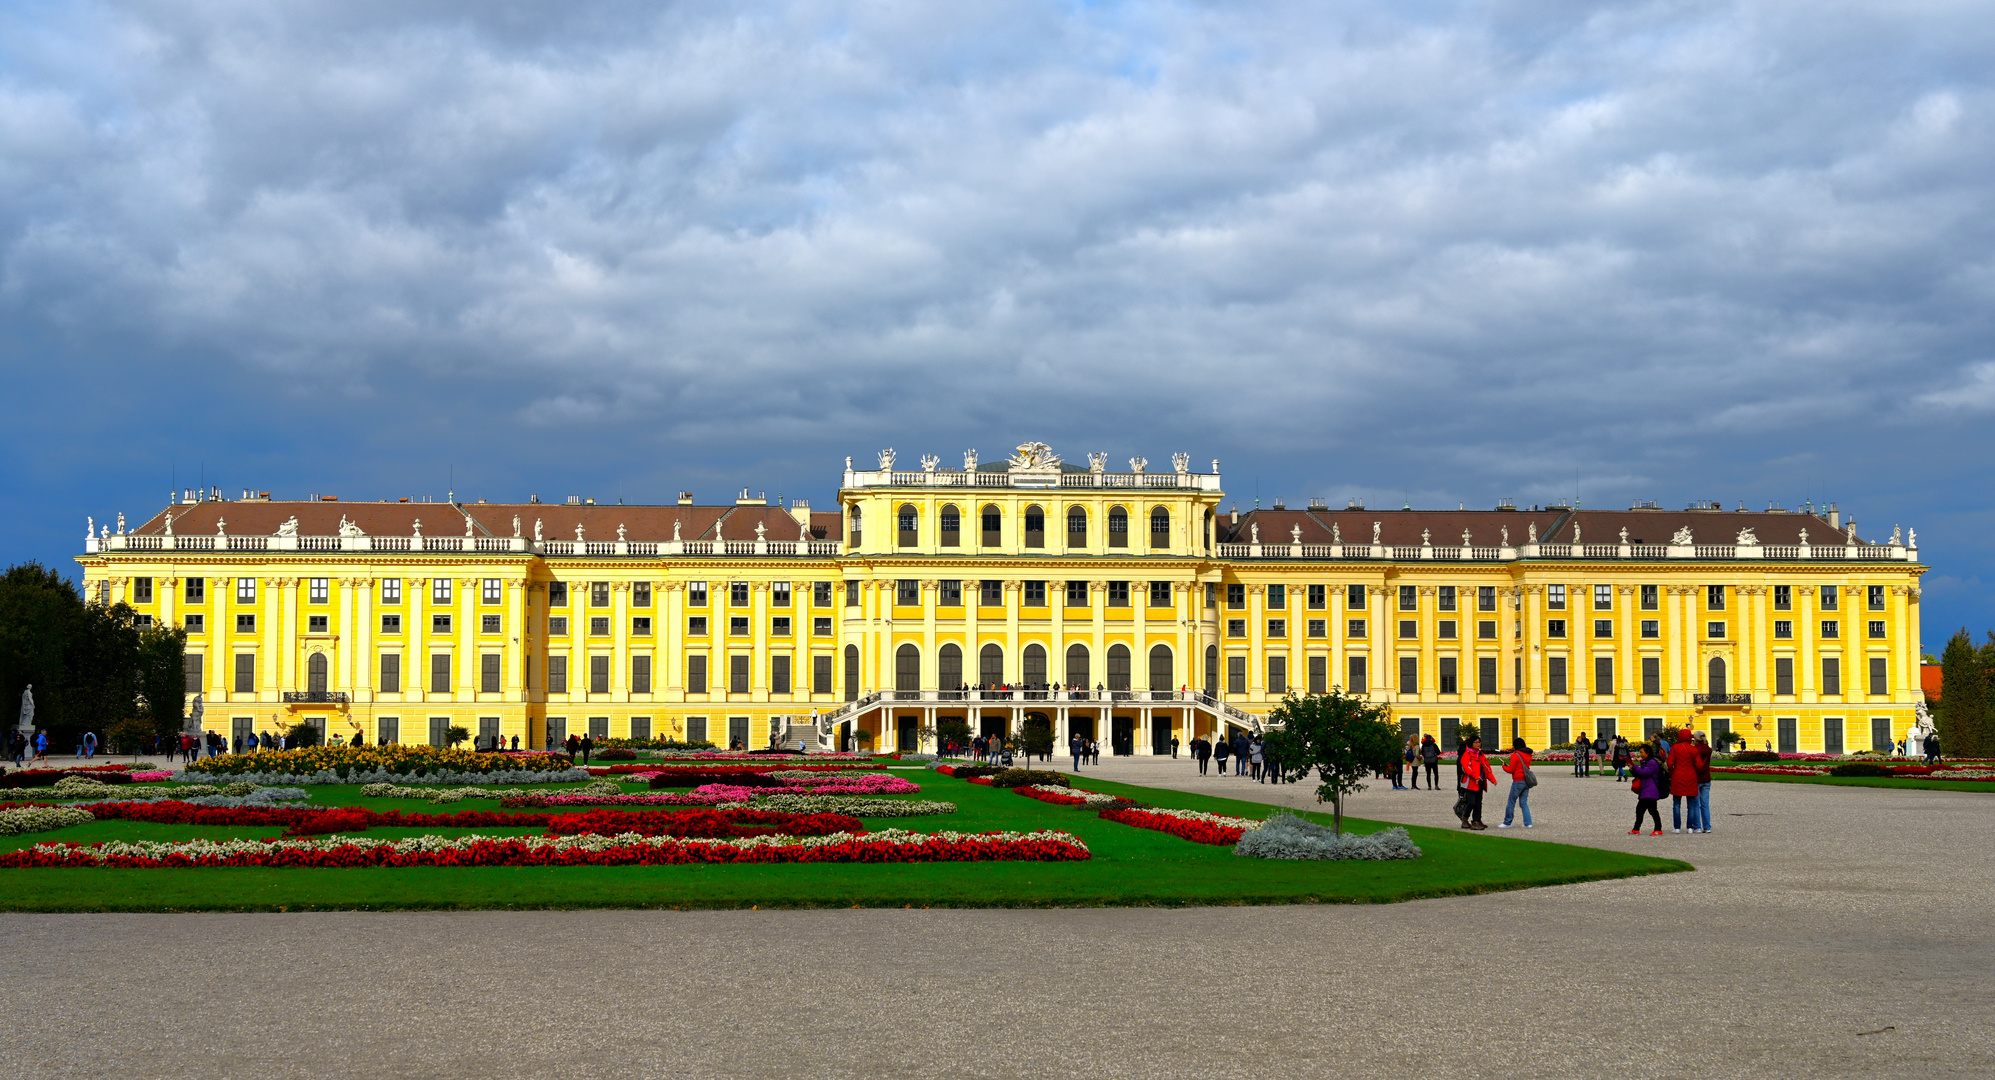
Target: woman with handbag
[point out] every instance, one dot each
(1473, 777)
(1648, 790)
(1522, 780)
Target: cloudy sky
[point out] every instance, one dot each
(1408, 251)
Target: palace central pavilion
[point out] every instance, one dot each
(1129, 607)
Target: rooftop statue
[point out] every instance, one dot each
(1682, 537)
(536, 530)
(1375, 528)
(289, 528)
(1033, 456)
(969, 461)
(352, 528)
(1747, 538)
(887, 459)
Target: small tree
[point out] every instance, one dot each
(1963, 711)
(1037, 736)
(455, 735)
(952, 729)
(1344, 737)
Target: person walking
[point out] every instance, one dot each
(1201, 752)
(1222, 748)
(1411, 753)
(1399, 771)
(1521, 780)
(1602, 748)
(1703, 782)
(1174, 748)
(1648, 790)
(1430, 756)
(1582, 756)
(41, 748)
(1255, 758)
(588, 744)
(1473, 777)
(1681, 765)
(1074, 748)
(1620, 752)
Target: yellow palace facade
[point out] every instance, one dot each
(1127, 606)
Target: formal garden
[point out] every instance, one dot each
(420, 827)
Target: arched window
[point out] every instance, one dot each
(1212, 670)
(949, 667)
(1035, 527)
(1161, 676)
(1035, 665)
(1160, 528)
(993, 526)
(1118, 528)
(1118, 667)
(853, 540)
(1077, 666)
(1714, 684)
(907, 670)
(910, 525)
(315, 669)
(851, 672)
(990, 666)
(951, 527)
(1077, 527)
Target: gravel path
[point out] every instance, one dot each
(1828, 932)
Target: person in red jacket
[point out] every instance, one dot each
(1683, 765)
(1476, 777)
(1519, 768)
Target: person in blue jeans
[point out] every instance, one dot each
(1519, 768)
(1703, 783)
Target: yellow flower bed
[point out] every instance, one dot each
(407, 760)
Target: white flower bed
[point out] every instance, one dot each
(846, 804)
(34, 819)
(1088, 798)
(1248, 824)
(73, 789)
(383, 776)
(459, 794)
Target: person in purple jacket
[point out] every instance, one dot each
(1648, 790)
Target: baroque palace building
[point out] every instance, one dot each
(934, 593)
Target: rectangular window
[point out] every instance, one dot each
(1319, 674)
(390, 624)
(391, 590)
(1832, 735)
(1035, 594)
(1409, 674)
(1831, 628)
(1603, 598)
(1652, 675)
(1450, 682)
(851, 594)
(1880, 684)
(245, 673)
(439, 590)
(1354, 679)
(1650, 600)
(1603, 628)
(779, 674)
(1355, 628)
(1714, 630)
(1118, 594)
(557, 594)
(1876, 597)
(599, 674)
(696, 674)
(1714, 597)
(489, 624)
(1877, 628)
(1445, 629)
(1651, 628)
(1277, 597)
(907, 592)
(737, 673)
(1485, 630)
(599, 594)
(1211, 593)
(319, 589)
(599, 625)
(737, 626)
(1555, 628)
(1832, 675)
(141, 590)
(488, 677)
(1783, 598)
(391, 673)
(640, 674)
(492, 591)
(1409, 598)
(1077, 594)
(779, 594)
(696, 626)
(780, 626)
(820, 674)
(640, 596)
(1160, 594)
(1409, 628)
(1783, 675)
(1446, 598)
(1485, 675)
(990, 593)
(696, 729)
(696, 593)
(1783, 628)
(737, 594)
(993, 529)
(1828, 595)
(821, 626)
(641, 626)
(439, 624)
(1277, 628)
(1236, 674)
(1236, 628)
(190, 671)
(1561, 730)
(387, 730)
(318, 624)
(246, 590)
(1485, 598)
(439, 673)
(557, 674)
(1319, 628)
(640, 728)
(196, 590)
(1555, 597)
(1236, 597)
(820, 593)
(194, 624)
(1354, 597)
(1277, 674)
(1555, 675)
(1318, 597)
(949, 593)
(1603, 674)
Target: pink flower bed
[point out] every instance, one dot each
(717, 794)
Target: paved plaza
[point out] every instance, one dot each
(1827, 932)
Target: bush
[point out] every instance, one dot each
(1755, 755)
(1861, 768)
(1286, 836)
(616, 753)
(1011, 778)
(972, 772)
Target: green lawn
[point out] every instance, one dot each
(1979, 787)
(1130, 866)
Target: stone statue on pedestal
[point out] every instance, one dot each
(27, 720)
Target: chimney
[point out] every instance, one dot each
(800, 509)
(1835, 517)
(685, 498)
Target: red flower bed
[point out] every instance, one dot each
(710, 824)
(983, 781)
(305, 820)
(1203, 832)
(1054, 797)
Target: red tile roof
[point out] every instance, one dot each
(557, 520)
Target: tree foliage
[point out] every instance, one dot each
(1036, 735)
(952, 730)
(1962, 715)
(1343, 737)
(92, 667)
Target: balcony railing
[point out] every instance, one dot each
(1721, 699)
(496, 545)
(314, 697)
(1272, 549)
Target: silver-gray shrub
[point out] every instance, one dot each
(1286, 836)
(502, 777)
